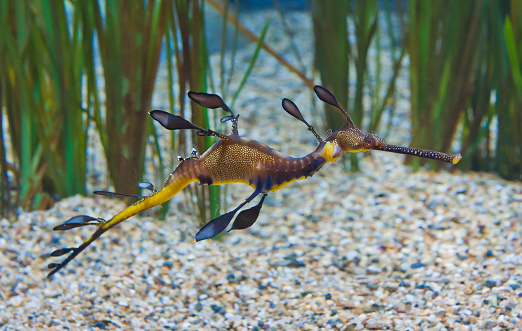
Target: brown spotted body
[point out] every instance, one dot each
(237, 159)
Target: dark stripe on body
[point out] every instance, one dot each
(205, 180)
(279, 178)
(268, 183)
(284, 170)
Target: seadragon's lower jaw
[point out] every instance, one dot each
(425, 153)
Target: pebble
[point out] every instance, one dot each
(340, 250)
(417, 265)
(490, 283)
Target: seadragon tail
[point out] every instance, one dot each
(179, 179)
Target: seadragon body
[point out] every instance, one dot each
(236, 159)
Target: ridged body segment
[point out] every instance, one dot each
(240, 160)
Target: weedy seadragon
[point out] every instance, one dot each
(237, 159)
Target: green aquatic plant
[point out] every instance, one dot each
(443, 39)
(51, 91)
(508, 151)
(129, 37)
(41, 71)
(465, 76)
(335, 55)
(67, 65)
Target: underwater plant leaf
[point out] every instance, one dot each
(253, 60)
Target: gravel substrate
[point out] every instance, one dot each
(384, 248)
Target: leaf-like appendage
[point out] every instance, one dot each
(227, 118)
(207, 100)
(292, 109)
(218, 224)
(172, 122)
(247, 217)
(63, 251)
(146, 186)
(215, 226)
(77, 221)
(115, 194)
(326, 96)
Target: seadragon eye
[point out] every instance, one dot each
(372, 140)
(368, 143)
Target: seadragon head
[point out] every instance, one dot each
(350, 138)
